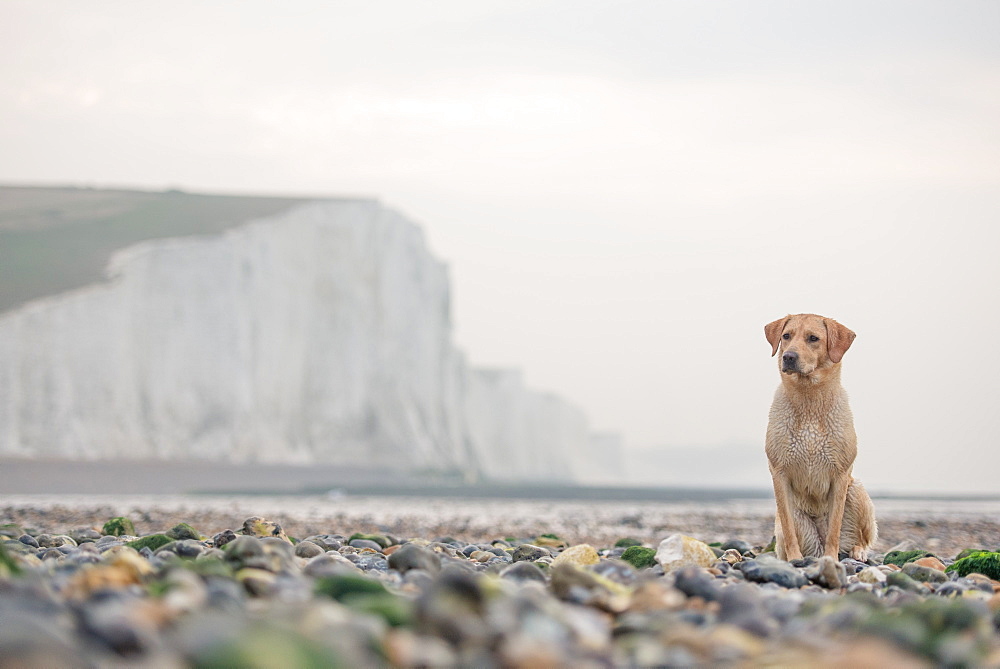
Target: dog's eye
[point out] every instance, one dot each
(813, 338)
(786, 336)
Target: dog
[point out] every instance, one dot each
(811, 445)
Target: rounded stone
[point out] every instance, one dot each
(737, 545)
(529, 552)
(678, 551)
(580, 555)
(412, 556)
(308, 549)
(523, 571)
(28, 540)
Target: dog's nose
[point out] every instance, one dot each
(790, 360)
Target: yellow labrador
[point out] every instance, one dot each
(811, 445)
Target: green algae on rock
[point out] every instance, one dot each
(986, 563)
(639, 557)
(380, 539)
(899, 558)
(152, 542)
(118, 527)
(184, 531)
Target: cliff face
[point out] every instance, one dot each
(318, 335)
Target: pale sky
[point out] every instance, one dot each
(626, 192)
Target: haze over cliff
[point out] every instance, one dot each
(317, 334)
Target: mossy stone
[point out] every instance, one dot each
(341, 586)
(152, 542)
(118, 527)
(970, 551)
(640, 557)
(263, 646)
(395, 610)
(549, 541)
(899, 558)
(981, 562)
(947, 632)
(183, 531)
(904, 582)
(380, 539)
(627, 542)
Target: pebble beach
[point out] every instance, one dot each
(330, 580)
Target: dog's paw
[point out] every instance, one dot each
(860, 554)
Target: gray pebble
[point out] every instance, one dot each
(28, 540)
(412, 556)
(529, 552)
(365, 543)
(308, 549)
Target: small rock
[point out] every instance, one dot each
(924, 574)
(580, 586)
(260, 527)
(678, 551)
(695, 582)
(772, 570)
(549, 541)
(528, 552)
(258, 582)
(307, 549)
(328, 564)
(183, 531)
(523, 571)
(28, 540)
(365, 543)
(84, 534)
(580, 555)
(119, 526)
(411, 556)
(640, 557)
(329, 542)
(737, 545)
(899, 558)
(223, 538)
(904, 582)
(381, 541)
(732, 556)
(740, 605)
(828, 573)
(871, 575)
(152, 542)
(930, 562)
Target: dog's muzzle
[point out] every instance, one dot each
(790, 362)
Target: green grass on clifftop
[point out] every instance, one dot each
(57, 239)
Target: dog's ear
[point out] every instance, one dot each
(773, 333)
(838, 340)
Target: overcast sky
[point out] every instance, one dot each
(625, 192)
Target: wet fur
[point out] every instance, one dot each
(821, 509)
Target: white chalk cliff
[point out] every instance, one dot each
(320, 335)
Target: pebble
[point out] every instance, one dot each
(766, 569)
(256, 597)
(678, 551)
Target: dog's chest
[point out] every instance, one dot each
(807, 441)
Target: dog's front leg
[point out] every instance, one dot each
(838, 499)
(782, 500)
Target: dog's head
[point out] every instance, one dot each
(808, 344)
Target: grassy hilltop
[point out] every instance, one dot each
(57, 239)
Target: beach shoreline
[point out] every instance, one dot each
(944, 526)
